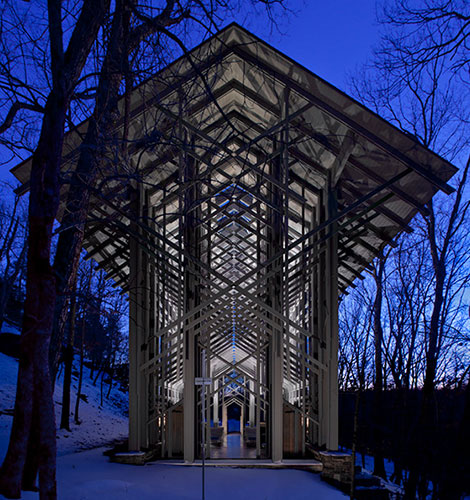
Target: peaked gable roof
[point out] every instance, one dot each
(227, 104)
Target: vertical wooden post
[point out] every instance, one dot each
(137, 380)
(224, 416)
(322, 308)
(189, 370)
(216, 403)
(251, 413)
(258, 390)
(191, 299)
(328, 290)
(258, 333)
(332, 334)
(279, 287)
(275, 301)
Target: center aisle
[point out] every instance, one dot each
(233, 446)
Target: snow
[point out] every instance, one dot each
(83, 475)
(9, 328)
(89, 475)
(395, 490)
(100, 425)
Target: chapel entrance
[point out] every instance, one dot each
(234, 437)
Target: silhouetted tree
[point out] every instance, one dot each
(34, 390)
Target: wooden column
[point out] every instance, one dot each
(332, 333)
(216, 403)
(190, 242)
(278, 289)
(275, 301)
(138, 411)
(328, 291)
(251, 413)
(259, 332)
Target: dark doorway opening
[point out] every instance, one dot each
(233, 418)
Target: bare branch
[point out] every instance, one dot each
(17, 106)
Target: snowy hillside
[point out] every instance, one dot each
(100, 425)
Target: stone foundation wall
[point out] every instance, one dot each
(336, 466)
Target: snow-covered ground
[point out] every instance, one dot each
(89, 475)
(367, 462)
(100, 425)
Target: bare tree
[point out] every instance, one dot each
(412, 83)
(12, 250)
(355, 356)
(378, 275)
(122, 42)
(34, 390)
(422, 32)
(85, 291)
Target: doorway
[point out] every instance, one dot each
(234, 412)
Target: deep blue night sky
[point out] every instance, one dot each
(329, 37)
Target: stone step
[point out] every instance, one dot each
(307, 464)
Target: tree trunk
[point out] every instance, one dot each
(68, 365)
(34, 384)
(80, 376)
(122, 41)
(354, 443)
(38, 310)
(421, 447)
(100, 369)
(111, 374)
(101, 387)
(31, 466)
(379, 467)
(455, 479)
(92, 151)
(9, 279)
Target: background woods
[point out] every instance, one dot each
(418, 79)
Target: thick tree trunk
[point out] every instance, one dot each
(31, 466)
(34, 388)
(92, 153)
(122, 41)
(38, 311)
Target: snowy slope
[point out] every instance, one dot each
(99, 426)
(8, 373)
